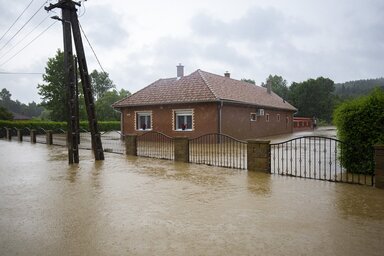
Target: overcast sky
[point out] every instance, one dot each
(138, 42)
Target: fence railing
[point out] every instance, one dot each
(314, 157)
(156, 145)
(218, 150)
(311, 157)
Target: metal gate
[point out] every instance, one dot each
(314, 157)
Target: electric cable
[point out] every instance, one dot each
(98, 61)
(21, 14)
(28, 44)
(23, 26)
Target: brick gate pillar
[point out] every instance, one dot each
(131, 144)
(8, 133)
(33, 136)
(259, 156)
(19, 135)
(181, 149)
(379, 166)
(49, 138)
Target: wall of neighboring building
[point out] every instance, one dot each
(302, 124)
(244, 122)
(205, 119)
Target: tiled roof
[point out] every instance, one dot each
(201, 86)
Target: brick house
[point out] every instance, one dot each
(202, 103)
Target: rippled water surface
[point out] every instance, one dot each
(140, 206)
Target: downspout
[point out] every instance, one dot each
(220, 107)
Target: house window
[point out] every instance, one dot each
(143, 121)
(253, 117)
(267, 117)
(183, 120)
(278, 117)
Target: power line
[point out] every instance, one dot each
(94, 53)
(23, 26)
(30, 32)
(28, 44)
(21, 14)
(20, 73)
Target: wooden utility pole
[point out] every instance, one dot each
(70, 19)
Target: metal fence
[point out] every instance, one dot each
(218, 150)
(314, 157)
(156, 145)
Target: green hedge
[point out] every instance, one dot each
(360, 123)
(55, 126)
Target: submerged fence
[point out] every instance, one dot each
(314, 157)
(218, 150)
(310, 157)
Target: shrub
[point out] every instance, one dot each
(360, 123)
(42, 126)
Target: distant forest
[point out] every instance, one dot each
(353, 89)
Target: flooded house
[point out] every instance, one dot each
(201, 103)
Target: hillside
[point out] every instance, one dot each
(353, 89)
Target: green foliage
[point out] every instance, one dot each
(314, 98)
(100, 83)
(104, 108)
(30, 110)
(251, 81)
(360, 123)
(5, 114)
(278, 85)
(353, 89)
(53, 90)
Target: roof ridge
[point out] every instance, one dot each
(207, 83)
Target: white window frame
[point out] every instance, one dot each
(138, 114)
(182, 112)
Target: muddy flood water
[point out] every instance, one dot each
(141, 206)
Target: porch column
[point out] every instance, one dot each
(379, 166)
(259, 156)
(181, 149)
(131, 144)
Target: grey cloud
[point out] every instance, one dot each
(104, 27)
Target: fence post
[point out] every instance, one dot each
(258, 156)
(33, 136)
(49, 138)
(19, 135)
(379, 166)
(131, 144)
(181, 149)
(8, 133)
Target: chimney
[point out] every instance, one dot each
(227, 74)
(180, 70)
(269, 87)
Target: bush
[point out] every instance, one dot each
(360, 123)
(41, 126)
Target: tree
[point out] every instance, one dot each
(278, 85)
(251, 81)
(313, 98)
(5, 114)
(53, 91)
(104, 109)
(100, 83)
(360, 124)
